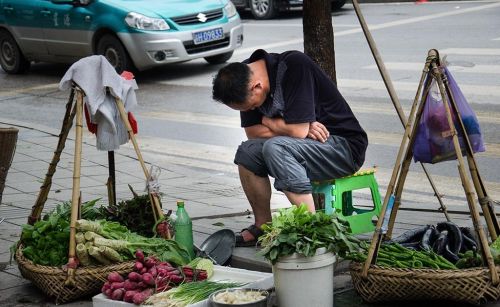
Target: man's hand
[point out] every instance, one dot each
(318, 132)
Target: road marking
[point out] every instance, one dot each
(219, 159)
(407, 66)
(467, 89)
(496, 39)
(366, 85)
(272, 25)
(471, 51)
(375, 27)
(380, 138)
(24, 90)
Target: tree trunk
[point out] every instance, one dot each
(318, 35)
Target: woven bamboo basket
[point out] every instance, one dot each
(392, 284)
(50, 280)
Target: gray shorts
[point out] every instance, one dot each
(294, 162)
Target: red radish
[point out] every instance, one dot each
(106, 286)
(138, 266)
(134, 276)
(118, 294)
(139, 255)
(150, 262)
(176, 278)
(108, 292)
(142, 285)
(143, 270)
(139, 298)
(117, 285)
(129, 296)
(130, 285)
(115, 277)
(148, 279)
(153, 271)
(162, 272)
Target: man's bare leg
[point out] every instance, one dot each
(297, 199)
(258, 192)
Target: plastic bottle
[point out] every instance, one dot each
(184, 229)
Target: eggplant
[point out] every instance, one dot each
(428, 238)
(449, 255)
(412, 235)
(455, 237)
(440, 244)
(469, 240)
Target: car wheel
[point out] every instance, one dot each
(337, 4)
(220, 58)
(110, 47)
(262, 9)
(12, 59)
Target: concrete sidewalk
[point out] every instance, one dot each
(214, 200)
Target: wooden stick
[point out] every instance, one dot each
(123, 114)
(487, 258)
(76, 188)
(482, 194)
(69, 116)
(376, 238)
(392, 93)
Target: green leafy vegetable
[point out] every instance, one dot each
(296, 230)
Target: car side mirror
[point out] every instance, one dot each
(72, 2)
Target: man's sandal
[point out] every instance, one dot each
(256, 233)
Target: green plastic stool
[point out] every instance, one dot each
(338, 198)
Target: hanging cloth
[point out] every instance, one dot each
(101, 84)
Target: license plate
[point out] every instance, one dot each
(208, 36)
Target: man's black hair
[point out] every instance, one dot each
(230, 85)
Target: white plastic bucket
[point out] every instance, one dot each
(305, 281)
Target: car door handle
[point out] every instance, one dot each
(45, 12)
(8, 8)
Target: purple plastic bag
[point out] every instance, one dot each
(433, 142)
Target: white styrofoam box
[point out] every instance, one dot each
(253, 279)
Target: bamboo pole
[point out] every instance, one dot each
(153, 198)
(487, 258)
(75, 197)
(69, 116)
(482, 194)
(376, 239)
(392, 93)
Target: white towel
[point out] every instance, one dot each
(101, 84)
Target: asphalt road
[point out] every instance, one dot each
(178, 119)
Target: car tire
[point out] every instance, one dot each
(111, 47)
(220, 58)
(12, 59)
(337, 4)
(262, 9)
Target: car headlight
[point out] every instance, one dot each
(230, 9)
(141, 22)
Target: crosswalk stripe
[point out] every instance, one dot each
(409, 87)
(471, 51)
(219, 159)
(380, 138)
(407, 66)
(289, 42)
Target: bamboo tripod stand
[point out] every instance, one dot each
(394, 96)
(392, 198)
(74, 109)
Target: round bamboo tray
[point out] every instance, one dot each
(88, 280)
(392, 284)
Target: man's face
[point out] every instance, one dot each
(256, 98)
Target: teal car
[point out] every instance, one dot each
(131, 34)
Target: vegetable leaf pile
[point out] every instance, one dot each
(296, 230)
